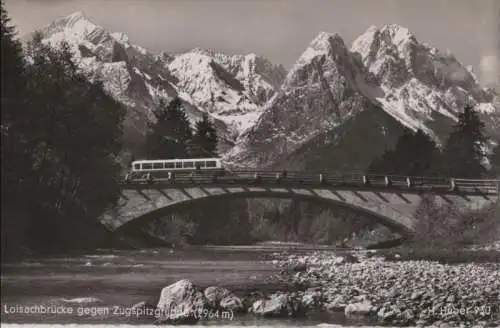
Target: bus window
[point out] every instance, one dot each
(201, 163)
(147, 166)
(137, 166)
(178, 165)
(169, 165)
(157, 165)
(211, 164)
(188, 164)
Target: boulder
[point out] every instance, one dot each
(219, 297)
(337, 304)
(181, 302)
(214, 295)
(360, 309)
(311, 298)
(385, 314)
(251, 298)
(279, 305)
(232, 303)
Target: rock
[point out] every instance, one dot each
(408, 316)
(219, 297)
(308, 301)
(279, 305)
(215, 294)
(311, 298)
(386, 314)
(250, 298)
(293, 268)
(451, 299)
(232, 303)
(338, 304)
(360, 309)
(404, 292)
(360, 298)
(416, 295)
(181, 302)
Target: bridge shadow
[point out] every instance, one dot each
(379, 195)
(403, 197)
(164, 194)
(337, 194)
(360, 196)
(446, 199)
(140, 192)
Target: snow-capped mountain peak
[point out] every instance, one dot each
(419, 84)
(389, 43)
(323, 44)
(270, 113)
(120, 37)
(76, 26)
(398, 33)
(231, 88)
(387, 74)
(74, 17)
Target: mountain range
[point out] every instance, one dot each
(336, 108)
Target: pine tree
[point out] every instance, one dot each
(415, 154)
(16, 161)
(77, 130)
(14, 127)
(204, 141)
(12, 59)
(64, 146)
(495, 161)
(465, 150)
(169, 136)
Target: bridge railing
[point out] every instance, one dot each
(284, 178)
(472, 185)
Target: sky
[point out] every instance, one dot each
(281, 29)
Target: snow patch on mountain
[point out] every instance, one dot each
(318, 95)
(231, 88)
(417, 80)
(271, 113)
(414, 83)
(222, 97)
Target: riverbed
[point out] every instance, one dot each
(118, 279)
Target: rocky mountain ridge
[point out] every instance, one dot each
(232, 89)
(324, 107)
(386, 77)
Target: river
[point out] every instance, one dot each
(111, 279)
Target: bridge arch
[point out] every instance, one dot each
(390, 209)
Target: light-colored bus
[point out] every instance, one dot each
(176, 164)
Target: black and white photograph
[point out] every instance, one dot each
(250, 163)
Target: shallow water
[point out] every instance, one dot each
(112, 279)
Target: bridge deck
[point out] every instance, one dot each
(304, 179)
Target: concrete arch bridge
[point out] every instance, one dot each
(390, 200)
